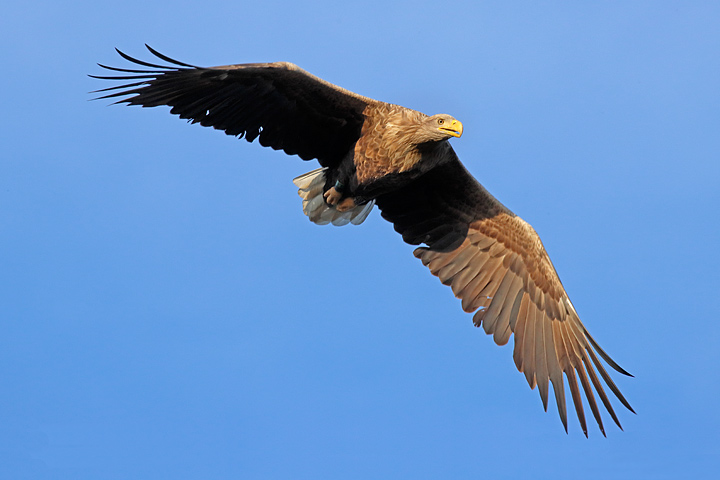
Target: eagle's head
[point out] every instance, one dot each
(441, 127)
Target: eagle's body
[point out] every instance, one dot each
(373, 152)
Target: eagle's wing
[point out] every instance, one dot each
(283, 105)
(496, 264)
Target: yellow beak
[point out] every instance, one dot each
(455, 129)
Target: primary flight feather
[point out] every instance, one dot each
(372, 152)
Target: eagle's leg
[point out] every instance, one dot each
(334, 196)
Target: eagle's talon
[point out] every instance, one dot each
(345, 205)
(332, 196)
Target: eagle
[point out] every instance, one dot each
(376, 153)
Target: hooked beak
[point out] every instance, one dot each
(455, 129)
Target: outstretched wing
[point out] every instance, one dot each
(496, 264)
(286, 107)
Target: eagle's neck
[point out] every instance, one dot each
(393, 142)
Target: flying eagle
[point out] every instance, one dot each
(373, 152)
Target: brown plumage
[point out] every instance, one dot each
(400, 159)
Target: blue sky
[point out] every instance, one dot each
(166, 311)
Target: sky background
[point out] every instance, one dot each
(167, 311)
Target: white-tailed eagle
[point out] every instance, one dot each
(372, 152)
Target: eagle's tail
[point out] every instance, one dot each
(310, 188)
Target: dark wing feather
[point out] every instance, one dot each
(496, 264)
(286, 107)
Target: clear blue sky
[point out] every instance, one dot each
(166, 311)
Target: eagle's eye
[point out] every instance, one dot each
(440, 121)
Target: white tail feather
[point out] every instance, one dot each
(310, 188)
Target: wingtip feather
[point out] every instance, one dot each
(605, 356)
